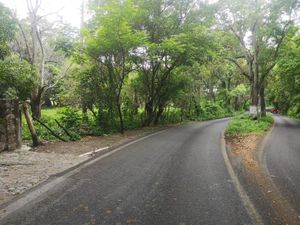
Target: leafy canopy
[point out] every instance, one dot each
(7, 30)
(17, 78)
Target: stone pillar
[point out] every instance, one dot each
(10, 125)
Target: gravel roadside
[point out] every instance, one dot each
(27, 167)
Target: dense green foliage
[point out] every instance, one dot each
(259, 28)
(285, 81)
(17, 78)
(243, 125)
(7, 30)
(137, 63)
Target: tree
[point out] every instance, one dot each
(112, 45)
(17, 78)
(174, 38)
(260, 27)
(284, 82)
(7, 30)
(34, 43)
(16, 75)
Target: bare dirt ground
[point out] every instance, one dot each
(25, 168)
(247, 148)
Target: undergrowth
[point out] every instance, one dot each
(244, 124)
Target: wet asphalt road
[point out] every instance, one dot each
(175, 177)
(282, 158)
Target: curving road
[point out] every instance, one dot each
(175, 177)
(282, 158)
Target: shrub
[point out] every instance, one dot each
(71, 118)
(294, 111)
(41, 131)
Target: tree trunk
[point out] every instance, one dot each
(84, 111)
(254, 95)
(35, 139)
(262, 101)
(158, 114)
(149, 113)
(120, 118)
(254, 101)
(47, 102)
(36, 102)
(255, 65)
(36, 107)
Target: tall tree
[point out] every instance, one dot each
(112, 46)
(35, 43)
(172, 37)
(260, 27)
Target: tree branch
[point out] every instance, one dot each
(25, 40)
(243, 72)
(49, 129)
(62, 76)
(242, 43)
(275, 55)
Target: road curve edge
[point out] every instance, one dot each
(254, 215)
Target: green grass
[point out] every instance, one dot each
(48, 117)
(243, 125)
(53, 113)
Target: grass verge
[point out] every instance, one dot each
(244, 125)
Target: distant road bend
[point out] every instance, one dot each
(178, 176)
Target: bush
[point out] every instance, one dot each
(210, 111)
(71, 119)
(294, 111)
(171, 116)
(41, 131)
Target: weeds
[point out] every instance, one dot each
(244, 124)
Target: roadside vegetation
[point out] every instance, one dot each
(245, 125)
(79, 124)
(142, 63)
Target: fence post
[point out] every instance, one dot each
(10, 125)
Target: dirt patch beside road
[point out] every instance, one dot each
(246, 148)
(91, 143)
(25, 168)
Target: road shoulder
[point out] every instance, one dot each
(246, 154)
(54, 175)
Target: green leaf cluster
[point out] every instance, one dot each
(17, 78)
(7, 30)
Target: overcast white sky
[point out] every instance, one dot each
(68, 9)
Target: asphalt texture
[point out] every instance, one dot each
(175, 177)
(282, 158)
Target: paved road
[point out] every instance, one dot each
(282, 155)
(176, 177)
